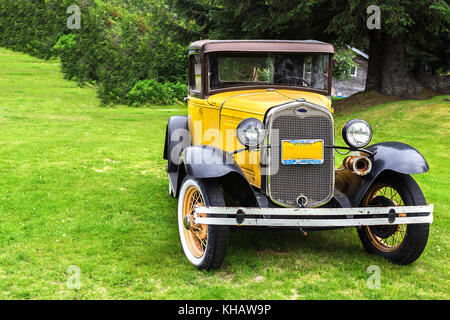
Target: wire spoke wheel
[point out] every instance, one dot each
(385, 238)
(196, 235)
(204, 245)
(402, 244)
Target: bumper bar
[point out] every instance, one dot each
(313, 217)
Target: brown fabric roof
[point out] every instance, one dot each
(262, 46)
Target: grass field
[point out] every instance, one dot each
(85, 186)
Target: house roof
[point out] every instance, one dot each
(362, 54)
(262, 46)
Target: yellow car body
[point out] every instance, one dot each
(222, 112)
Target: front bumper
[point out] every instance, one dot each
(313, 217)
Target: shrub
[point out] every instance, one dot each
(153, 92)
(119, 44)
(343, 63)
(32, 26)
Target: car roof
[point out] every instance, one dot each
(262, 46)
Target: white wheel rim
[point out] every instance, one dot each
(193, 259)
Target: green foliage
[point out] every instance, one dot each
(31, 26)
(398, 18)
(343, 63)
(119, 43)
(122, 42)
(153, 92)
(64, 48)
(424, 24)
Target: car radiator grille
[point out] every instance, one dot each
(315, 181)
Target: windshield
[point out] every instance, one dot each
(244, 69)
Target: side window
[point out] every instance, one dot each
(195, 73)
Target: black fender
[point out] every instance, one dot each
(394, 157)
(208, 162)
(341, 200)
(205, 161)
(177, 139)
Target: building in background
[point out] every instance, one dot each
(357, 82)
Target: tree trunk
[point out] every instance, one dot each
(395, 79)
(373, 80)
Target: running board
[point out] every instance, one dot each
(313, 217)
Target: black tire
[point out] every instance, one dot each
(217, 236)
(415, 236)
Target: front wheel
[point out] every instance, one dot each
(204, 245)
(401, 244)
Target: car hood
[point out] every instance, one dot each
(257, 102)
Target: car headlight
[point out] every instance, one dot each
(250, 132)
(357, 133)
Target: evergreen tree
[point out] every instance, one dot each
(419, 27)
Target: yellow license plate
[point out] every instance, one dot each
(302, 152)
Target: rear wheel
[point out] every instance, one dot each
(204, 245)
(402, 244)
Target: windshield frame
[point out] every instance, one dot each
(209, 91)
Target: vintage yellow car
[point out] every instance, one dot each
(257, 150)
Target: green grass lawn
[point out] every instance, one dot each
(86, 186)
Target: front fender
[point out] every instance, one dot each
(398, 157)
(177, 139)
(204, 162)
(389, 156)
(207, 162)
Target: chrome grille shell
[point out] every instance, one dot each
(285, 183)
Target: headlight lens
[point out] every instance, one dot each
(250, 132)
(357, 133)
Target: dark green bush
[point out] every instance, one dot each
(153, 92)
(32, 26)
(119, 44)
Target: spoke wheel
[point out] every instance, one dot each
(203, 245)
(385, 238)
(196, 235)
(401, 244)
